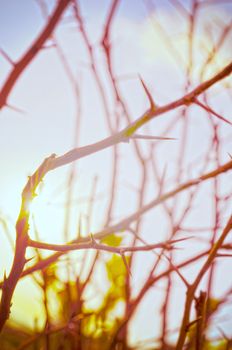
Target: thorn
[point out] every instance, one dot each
(16, 109)
(45, 166)
(93, 241)
(125, 263)
(180, 239)
(40, 283)
(174, 248)
(210, 110)
(29, 259)
(50, 46)
(150, 137)
(192, 323)
(79, 227)
(7, 57)
(47, 159)
(52, 156)
(177, 271)
(150, 98)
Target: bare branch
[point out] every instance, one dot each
(21, 65)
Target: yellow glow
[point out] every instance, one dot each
(156, 48)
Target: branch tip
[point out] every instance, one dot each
(150, 98)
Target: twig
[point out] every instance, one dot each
(93, 244)
(122, 225)
(21, 65)
(130, 130)
(193, 287)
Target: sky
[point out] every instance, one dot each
(47, 121)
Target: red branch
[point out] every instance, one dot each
(21, 65)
